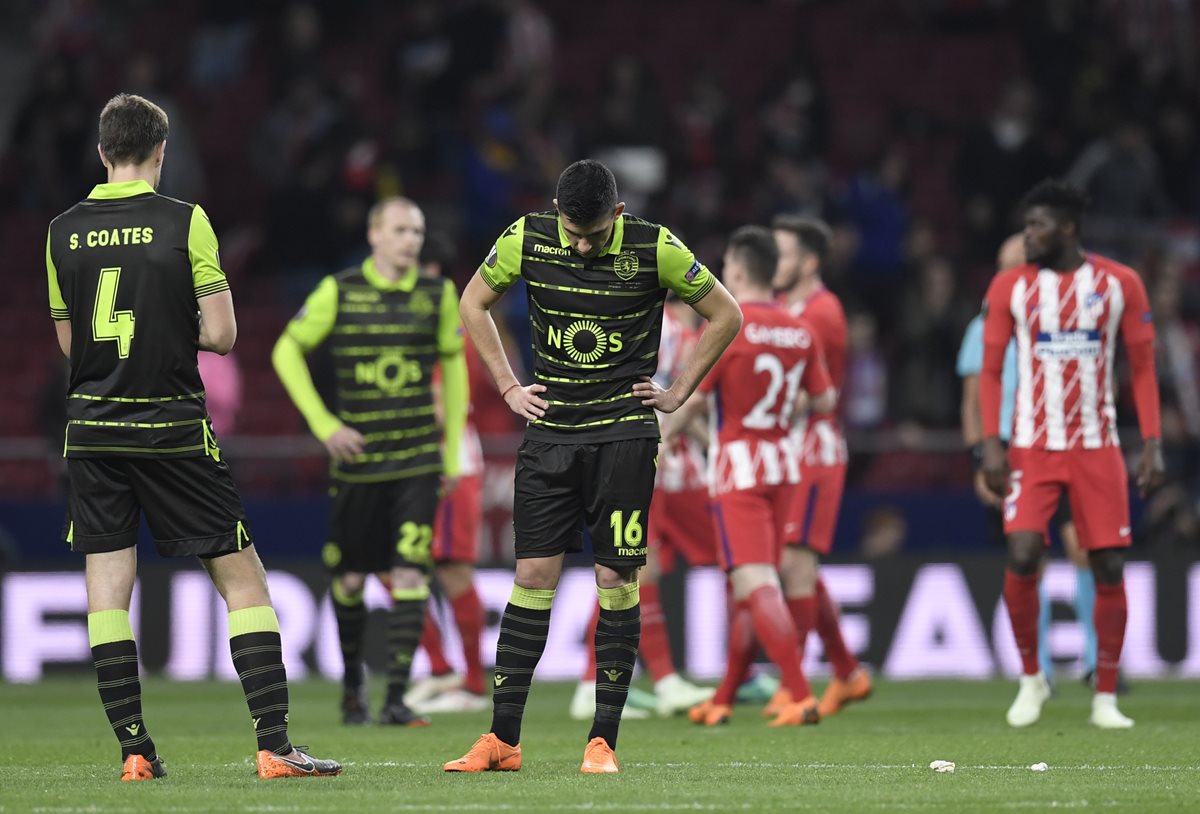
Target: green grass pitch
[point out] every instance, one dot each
(57, 755)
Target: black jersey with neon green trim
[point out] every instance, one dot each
(126, 266)
(596, 321)
(385, 340)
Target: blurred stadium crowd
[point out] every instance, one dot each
(913, 127)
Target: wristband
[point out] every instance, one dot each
(510, 387)
(976, 456)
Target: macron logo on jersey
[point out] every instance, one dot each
(1067, 344)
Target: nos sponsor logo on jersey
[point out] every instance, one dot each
(1067, 344)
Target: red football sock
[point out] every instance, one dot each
(469, 618)
(829, 628)
(589, 672)
(655, 649)
(1021, 597)
(804, 615)
(1111, 611)
(431, 641)
(773, 627)
(742, 648)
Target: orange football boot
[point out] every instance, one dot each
(139, 767)
(296, 763)
(855, 687)
(802, 713)
(489, 754)
(709, 713)
(598, 758)
(779, 700)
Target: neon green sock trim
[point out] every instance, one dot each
(621, 598)
(106, 627)
(261, 619)
(342, 597)
(532, 598)
(420, 592)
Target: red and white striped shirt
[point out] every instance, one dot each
(752, 392)
(821, 436)
(1066, 326)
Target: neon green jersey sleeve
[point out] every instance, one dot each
(207, 276)
(314, 322)
(680, 271)
(292, 369)
(502, 266)
(58, 308)
(450, 335)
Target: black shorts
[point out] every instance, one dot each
(563, 488)
(191, 506)
(376, 527)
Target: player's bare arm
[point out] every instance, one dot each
(218, 325)
(973, 435)
(724, 321)
(475, 310)
(62, 327)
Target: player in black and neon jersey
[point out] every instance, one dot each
(386, 327)
(136, 288)
(596, 281)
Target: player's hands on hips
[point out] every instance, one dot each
(986, 496)
(344, 444)
(524, 401)
(995, 467)
(1151, 471)
(653, 395)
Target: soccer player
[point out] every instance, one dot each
(595, 279)
(136, 287)
(387, 327)
(1065, 308)
(455, 544)
(970, 361)
(803, 248)
(755, 463)
(678, 527)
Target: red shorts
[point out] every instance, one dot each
(680, 526)
(817, 506)
(1097, 487)
(749, 524)
(459, 517)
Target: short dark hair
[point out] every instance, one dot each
(131, 127)
(1067, 201)
(756, 249)
(587, 191)
(814, 234)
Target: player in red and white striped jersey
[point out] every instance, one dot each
(1066, 308)
(803, 246)
(754, 465)
(679, 526)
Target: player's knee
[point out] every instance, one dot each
(1108, 566)
(351, 584)
(609, 577)
(1025, 553)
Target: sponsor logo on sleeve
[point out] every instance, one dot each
(690, 276)
(493, 255)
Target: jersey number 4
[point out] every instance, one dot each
(109, 324)
(768, 413)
